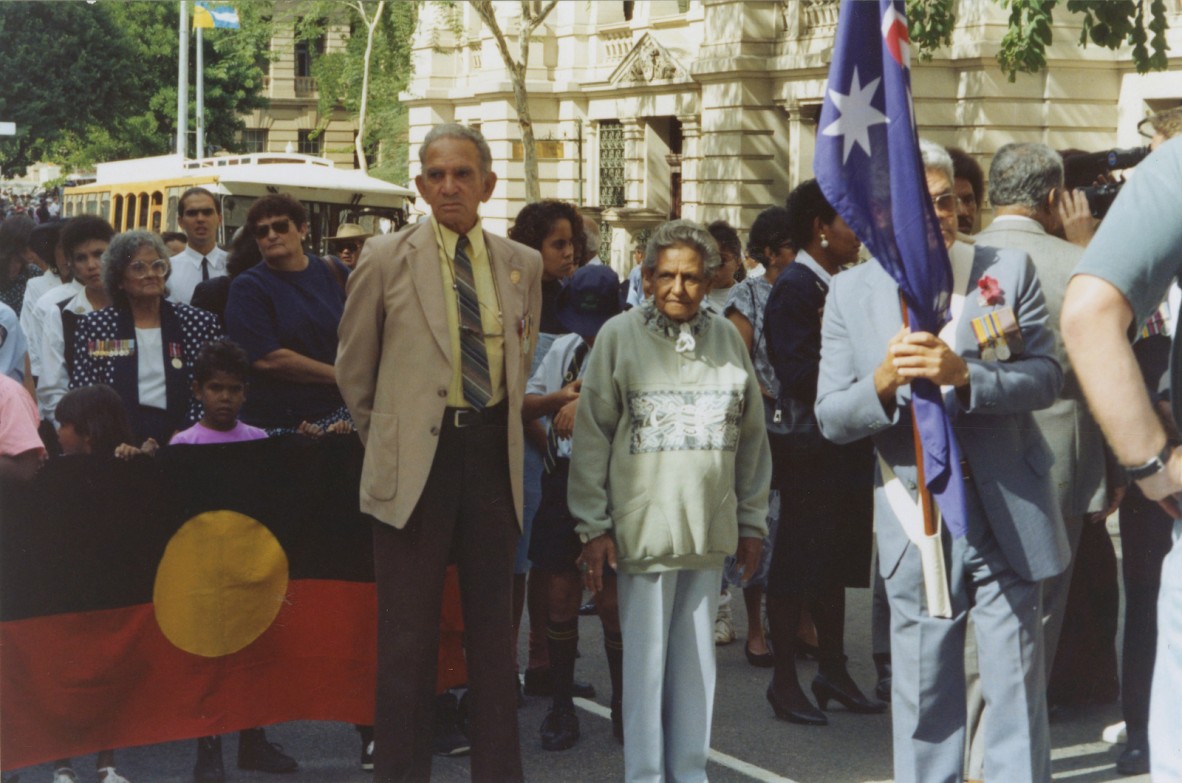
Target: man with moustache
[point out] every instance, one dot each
(438, 329)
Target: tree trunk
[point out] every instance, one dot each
(372, 25)
(519, 71)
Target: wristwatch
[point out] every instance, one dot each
(1152, 467)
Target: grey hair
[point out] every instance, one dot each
(591, 229)
(936, 157)
(453, 130)
(117, 258)
(1024, 174)
(683, 233)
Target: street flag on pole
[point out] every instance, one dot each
(209, 15)
(868, 166)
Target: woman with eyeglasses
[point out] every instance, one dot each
(143, 345)
(284, 312)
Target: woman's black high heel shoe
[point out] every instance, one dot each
(845, 693)
(806, 714)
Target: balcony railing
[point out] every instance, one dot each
(820, 15)
(305, 86)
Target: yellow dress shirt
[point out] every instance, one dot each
(490, 311)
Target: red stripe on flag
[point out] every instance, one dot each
(77, 683)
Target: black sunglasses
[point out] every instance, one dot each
(281, 226)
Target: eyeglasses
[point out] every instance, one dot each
(945, 202)
(1146, 129)
(263, 230)
(352, 247)
(158, 268)
(203, 212)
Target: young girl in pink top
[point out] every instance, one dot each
(219, 383)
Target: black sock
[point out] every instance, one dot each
(613, 648)
(562, 643)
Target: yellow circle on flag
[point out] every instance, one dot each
(220, 584)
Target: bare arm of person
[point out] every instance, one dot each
(285, 364)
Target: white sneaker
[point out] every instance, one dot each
(109, 775)
(724, 627)
(64, 775)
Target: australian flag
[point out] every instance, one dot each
(868, 165)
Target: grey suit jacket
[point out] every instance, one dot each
(394, 363)
(1068, 426)
(1008, 457)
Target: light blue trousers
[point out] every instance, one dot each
(1165, 714)
(667, 621)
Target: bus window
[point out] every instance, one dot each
(142, 219)
(118, 221)
(234, 209)
(129, 212)
(157, 211)
(171, 220)
(105, 206)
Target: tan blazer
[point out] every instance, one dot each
(394, 362)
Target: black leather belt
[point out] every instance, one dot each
(470, 417)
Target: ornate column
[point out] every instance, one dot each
(802, 134)
(691, 136)
(634, 160)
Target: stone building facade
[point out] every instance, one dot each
(293, 122)
(707, 109)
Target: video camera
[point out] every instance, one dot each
(1079, 171)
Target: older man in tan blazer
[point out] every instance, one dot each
(435, 341)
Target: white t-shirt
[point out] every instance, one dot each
(149, 354)
(48, 288)
(550, 376)
(54, 381)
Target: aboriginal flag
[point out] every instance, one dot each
(211, 589)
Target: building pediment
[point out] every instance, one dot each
(649, 62)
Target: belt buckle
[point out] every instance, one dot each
(465, 417)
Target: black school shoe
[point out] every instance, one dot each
(256, 753)
(560, 729)
(449, 739)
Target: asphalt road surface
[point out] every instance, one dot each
(749, 743)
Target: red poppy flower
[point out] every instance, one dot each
(991, 293)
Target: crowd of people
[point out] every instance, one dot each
(721, 418)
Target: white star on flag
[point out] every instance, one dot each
(857, 115)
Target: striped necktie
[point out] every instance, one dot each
(474, 356)
(550, 459)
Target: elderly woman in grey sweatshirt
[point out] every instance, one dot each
(672, 476)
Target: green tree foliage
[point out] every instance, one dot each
(92, 82)
(340, 73)
(1109, 23)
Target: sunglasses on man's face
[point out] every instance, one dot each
(352, 247)
(281, 226)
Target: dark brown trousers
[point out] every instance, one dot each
(464, 516)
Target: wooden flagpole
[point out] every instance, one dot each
(925, 497)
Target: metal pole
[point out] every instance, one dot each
(182, 82)
(200, 152)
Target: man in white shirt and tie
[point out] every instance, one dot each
(199, 215)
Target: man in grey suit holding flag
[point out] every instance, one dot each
(995, 364)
